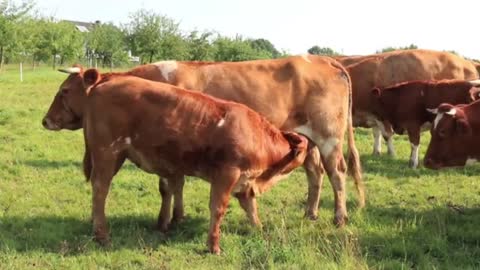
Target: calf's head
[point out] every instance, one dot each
(66, 110)
(298, 145)
(451, 134)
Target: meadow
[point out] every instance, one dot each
(414, 219)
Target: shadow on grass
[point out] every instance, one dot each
(49, 164)
(393, 167)
(71, 236)
(444, 236)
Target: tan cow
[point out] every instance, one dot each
(169, 131)
(309, 94)
(390, 68)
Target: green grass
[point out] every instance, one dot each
(414, 219)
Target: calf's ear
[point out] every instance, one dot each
(474, 94)
(445, 107)
(376, 92)
(433, 111)
(91, 77)
(463, 127)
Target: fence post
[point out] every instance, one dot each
(21, 72)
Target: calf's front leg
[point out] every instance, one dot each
(101, 178)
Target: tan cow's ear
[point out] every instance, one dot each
(376, 92)
(91, 77)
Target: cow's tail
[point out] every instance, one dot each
(354, 166)
(87, 161)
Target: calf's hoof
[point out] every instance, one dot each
(161, 227)
(215, 250)
(340, 221)
(104, 241)
(177, 220)
(376, 153)
(412, 164)
(311, 216)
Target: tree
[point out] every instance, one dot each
(264, 45)
(152, 35)
(60, 40)
(390, 49)
(236, 49)
(10, 14)
(107, 42)
(199, 46)
(322, 51)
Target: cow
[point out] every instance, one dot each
(406, 105)
(455, 136)
(169, 131)
(385, 69)
(308, 94)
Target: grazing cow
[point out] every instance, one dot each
(309, 94)
(168, 131)
(455, 136)
(390, 68)
(406, 105)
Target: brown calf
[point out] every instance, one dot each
(168, 131)
(405, 105)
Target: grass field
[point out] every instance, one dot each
(413, 220)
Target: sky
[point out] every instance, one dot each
(348, 26)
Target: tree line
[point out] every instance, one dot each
(150, 36)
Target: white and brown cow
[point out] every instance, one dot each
(308, 94)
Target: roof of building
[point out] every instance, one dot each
(83, 26)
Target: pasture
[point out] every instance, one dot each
(414, 219)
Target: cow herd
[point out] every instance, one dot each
(242, 126)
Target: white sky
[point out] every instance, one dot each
(348, 26)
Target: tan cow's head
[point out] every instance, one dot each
(66, 110)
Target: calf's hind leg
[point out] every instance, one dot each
(249, 203)
(220, 190)
(171, 187)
